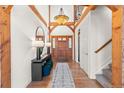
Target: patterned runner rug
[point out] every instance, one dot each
(62, 77)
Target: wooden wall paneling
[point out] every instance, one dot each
(5, 47)
(117, 48)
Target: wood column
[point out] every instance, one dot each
(49, 22)
(5, 48)
(117, 48)
(123, 50)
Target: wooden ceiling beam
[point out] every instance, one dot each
(112, 7)
(88, 9)
(72, 29)
(53, 28)
(6, 9)
(67, 23)
(36, 12)
(9, 8)
(53, 24)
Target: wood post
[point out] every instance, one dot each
(117, 48)
(5, 48)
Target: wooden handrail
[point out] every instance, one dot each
(99, 49)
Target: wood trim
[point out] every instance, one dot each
(117, 47)
(36, 12)
(89, 8)
(103, 46)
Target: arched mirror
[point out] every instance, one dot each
(39, 42)
(40, 34)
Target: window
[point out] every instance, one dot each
(53, 45)
(70, 43)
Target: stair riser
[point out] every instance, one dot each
(110, 66)
(103, 81)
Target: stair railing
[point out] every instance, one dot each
(103, 46)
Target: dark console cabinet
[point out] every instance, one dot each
(37, 67)
(36, 71)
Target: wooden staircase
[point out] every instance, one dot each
(105, 78)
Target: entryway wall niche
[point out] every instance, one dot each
(95, 30)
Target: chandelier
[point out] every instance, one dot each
(61, 19)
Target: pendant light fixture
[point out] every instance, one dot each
(61, 19)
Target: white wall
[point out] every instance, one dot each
(98, 26)
(76, 44)
(84, 32)
(101, 21)
(62, 30)
(23, 26)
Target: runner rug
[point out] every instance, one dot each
(62, 77)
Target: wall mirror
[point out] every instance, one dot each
(39, 42)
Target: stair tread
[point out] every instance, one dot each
(103, 81)
(108, 74)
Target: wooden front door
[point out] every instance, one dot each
(62, 48)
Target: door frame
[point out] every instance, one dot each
(78, 47)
